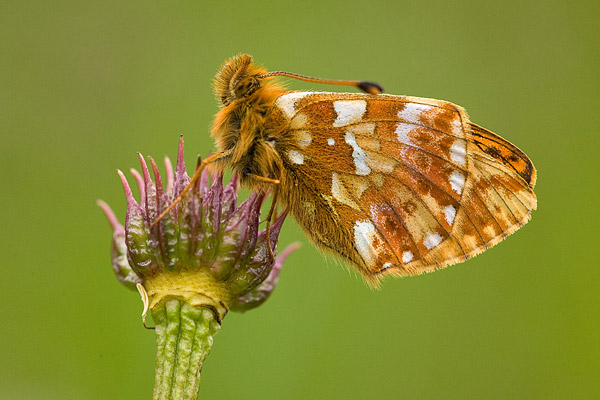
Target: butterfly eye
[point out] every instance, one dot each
(246, 86)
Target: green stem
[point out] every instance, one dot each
(184, 336)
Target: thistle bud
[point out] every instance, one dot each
(206, 236)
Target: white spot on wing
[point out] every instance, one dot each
(450, 213)
(330, 141)
(296, 157)
(407, 257)
(402, 131)
(457, 181)
(364, 234)
(458, 151)
(340, 193)
(303, 137)
(349, 111)
(336, 190)
(360, 158)
(457, 128)
(412, 112)
(299, 121)
(432, 240)
(287, 102)
(385, 266)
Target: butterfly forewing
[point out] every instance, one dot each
(398, 184)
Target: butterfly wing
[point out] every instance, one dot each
(398, 185)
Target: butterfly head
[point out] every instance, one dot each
(245, 98)
(238, 78)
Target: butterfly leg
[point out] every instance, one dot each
(269, 218)
(192, 182)
(274, 182)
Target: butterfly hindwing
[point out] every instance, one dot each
(399, 185)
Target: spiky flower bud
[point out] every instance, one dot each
(203, 258)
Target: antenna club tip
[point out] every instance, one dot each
(370, 87)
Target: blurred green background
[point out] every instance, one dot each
(85, 85)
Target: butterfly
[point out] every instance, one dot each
(394, 185)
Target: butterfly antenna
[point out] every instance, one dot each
(365, 86)
(186, 189)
